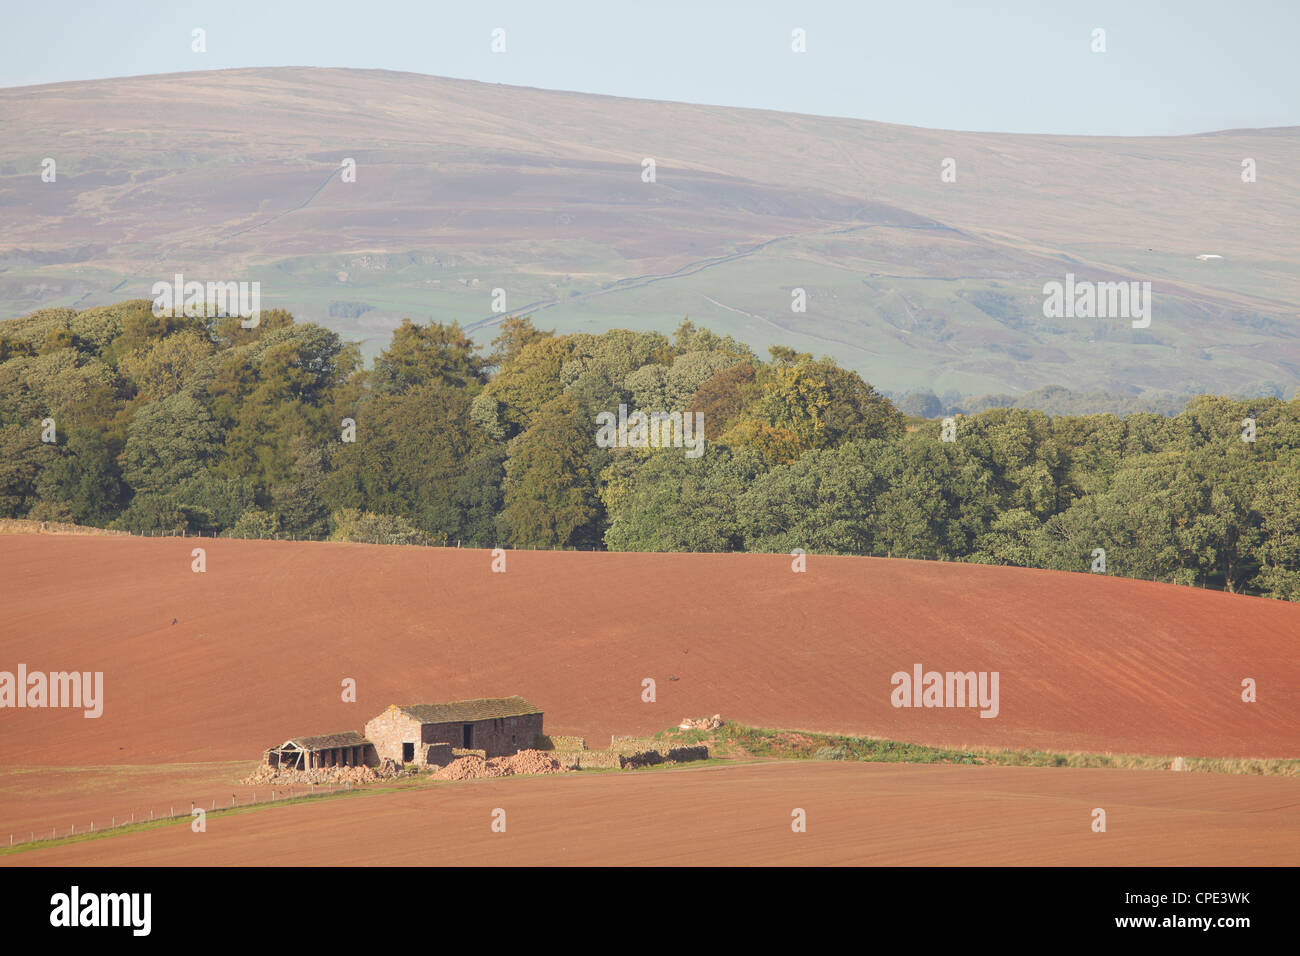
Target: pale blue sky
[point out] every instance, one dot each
(1026, 66)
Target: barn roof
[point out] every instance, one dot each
(327, 741)
(464, 711)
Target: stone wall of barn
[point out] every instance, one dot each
(438, 755)
(390, 730)
(497, 737)
(507, 735)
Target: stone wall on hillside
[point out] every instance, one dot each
(629, 756)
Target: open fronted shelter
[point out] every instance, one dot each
(327, 750)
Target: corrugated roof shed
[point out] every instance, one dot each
(466, 711)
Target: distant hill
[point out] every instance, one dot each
(1057, 400)
(464, 187)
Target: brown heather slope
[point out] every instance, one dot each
(857, 814)
(263, 639)
(463, 187)
(485, 163)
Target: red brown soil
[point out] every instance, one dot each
(264, 638)
(741, 814)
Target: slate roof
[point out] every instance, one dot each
(467, 711)
(328, 741)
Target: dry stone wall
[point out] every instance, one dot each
(630, 753)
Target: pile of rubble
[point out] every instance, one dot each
(701, 723)
(530, 761)
(525, 761)
(266, 774)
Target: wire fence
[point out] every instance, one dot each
(45, 834)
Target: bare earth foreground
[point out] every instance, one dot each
(857, 813)
(263, 639)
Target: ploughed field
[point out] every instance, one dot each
(856, 814)
(265, 637)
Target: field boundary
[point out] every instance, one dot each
(738, 740)
(298, 793)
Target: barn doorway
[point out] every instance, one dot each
(408, 752)
(469, 736)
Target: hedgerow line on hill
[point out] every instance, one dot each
(118, 418)
(394, 540)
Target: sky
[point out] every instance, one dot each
(1168, 68)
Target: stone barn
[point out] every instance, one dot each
(328, 750)
(498, 726)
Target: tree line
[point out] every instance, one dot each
(116, 417)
